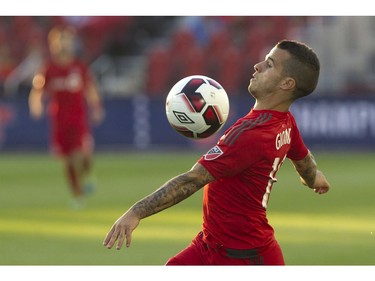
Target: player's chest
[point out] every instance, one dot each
(70, 81)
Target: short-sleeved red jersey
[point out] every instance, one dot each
(65, 87)
(244, 163)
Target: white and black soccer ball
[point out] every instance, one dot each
(197, 106)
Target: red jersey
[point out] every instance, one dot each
(244, 163)
(65, 87)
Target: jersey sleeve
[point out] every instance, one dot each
(298, 149)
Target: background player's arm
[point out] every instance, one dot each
(36, 96)
(310, 175)
(94, 103)
(171, 193)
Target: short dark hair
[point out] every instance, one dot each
(303, 66)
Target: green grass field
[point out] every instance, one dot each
(38, 228)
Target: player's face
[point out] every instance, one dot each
(62, 42)
(268, 73)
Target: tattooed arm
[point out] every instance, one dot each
(310, 175)
(171, 193)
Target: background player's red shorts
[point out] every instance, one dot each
(69, 139)
(200, 253)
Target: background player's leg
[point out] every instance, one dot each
(88, 178)
(74, 167)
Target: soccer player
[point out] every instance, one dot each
(70, 89)
(238, 173)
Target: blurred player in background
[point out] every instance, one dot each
(238, 173)
(70, 89)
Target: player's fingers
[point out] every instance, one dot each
(120, 239)
(321, 190)
(128, 237)
(318, 190)
(324, 190)
(113, 237)
(108, 237)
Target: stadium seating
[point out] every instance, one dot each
(223, 47)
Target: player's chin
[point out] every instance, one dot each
(250, 88)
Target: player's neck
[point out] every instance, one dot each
(273, 100)
(271, 105)
(63, 59)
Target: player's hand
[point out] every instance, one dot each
(122, 230)
(97, 116)
(321, 185)
(36, 112)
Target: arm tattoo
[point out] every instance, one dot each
(173, 191)
(306, 168)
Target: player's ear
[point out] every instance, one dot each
(288, 83)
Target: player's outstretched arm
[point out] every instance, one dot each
(95, 104)
(36, 97)
(310, 175)
(171, 193)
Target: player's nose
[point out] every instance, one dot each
(257, 67)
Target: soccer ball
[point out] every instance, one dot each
(197, 106)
